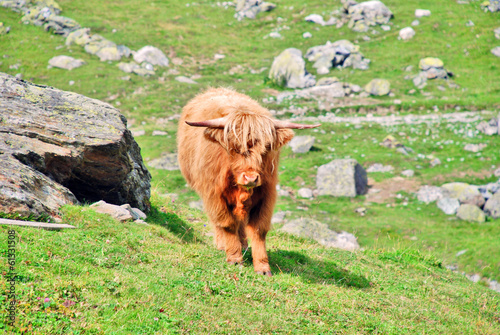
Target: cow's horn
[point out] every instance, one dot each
(290, 125)
(214, 123)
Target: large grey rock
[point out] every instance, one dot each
(151, 55)
(340, 54)
(289, 70)
(378, 87)
(470, 213)
(448, 205)
(461, 191)
(65, 62)
(310, 228)
(251, 8)
(492, 206)
(342, 178)
(365, 14)
(57, 147)
(302, 144)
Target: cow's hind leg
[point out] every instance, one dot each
(259, 254)
(233, 245)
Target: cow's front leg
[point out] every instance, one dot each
(232, 244)
(259, 253)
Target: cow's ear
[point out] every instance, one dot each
(215, 135)
(283, 136)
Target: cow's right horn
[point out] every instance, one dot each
(214, 123)
(278, 124)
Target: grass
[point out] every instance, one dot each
(123, 276)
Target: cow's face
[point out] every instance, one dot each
(247, 149)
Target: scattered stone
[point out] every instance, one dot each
(250, 8)
(185, 80)
(117, 212)
(470, 213)
(365, 14)
(492, 206)
(302, 144)
(476, 200)
(433, 68)
(496, 51)
(385, 27)
(460, 191)
(307, 35)
(406, 33)
(219, 56)
(159, 133)
(491, 5)
(137, 133)
(133, 67)
(469, 24)
(448, 205)
(339, 54)
(3, 29)
(136, 213)
(460, 253)
(274, 34)
(196, 205)
(279, 217)
(415, 23)
(377, 167)
(475, 147)
(497, 33)
(408, 173)
(310, 228)
(342, 177)
(306, 193)
(165, 162)
(151, 55)
(315, 18)
(378, 87)
(429, 194)
(361, 211)
(289, 70)
(65, 62)
(488, 128)
(422, 12)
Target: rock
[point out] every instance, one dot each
(275, 34)
(429, 62)
(65, 62)
(365, 14)
(406, 33)
(196, 205)
(341, 54)
(342, 178)
(408, 173)
(136, 213)
(279, 217)
(310, 228)
(476, 200)
(61, 146)
(377, 167)
(289, 70)
(496, 51)
(429, 194)
(117, 212)
(326, 81)
(497, 33)
(315, 18)
(79, 37)
(378, 87)
(250, 8)
(470, 213)
(460, 191)
(307, 35)
(492, 206)
(302, 144)
(151, 55)
(435, 162)
(415, 23)
(109, 53)
(422, 12)
(133, 67)
(159, 133)
(448, 205)
(306, 193)
(185, 80)
(385, 27)
(475, 147)
(488, 128)
(165, 162)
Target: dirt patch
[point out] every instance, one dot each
(386, 190)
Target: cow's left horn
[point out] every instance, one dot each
(214, 123)
(290, 125)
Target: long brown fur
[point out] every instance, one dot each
(213, 162)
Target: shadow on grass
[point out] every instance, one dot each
(311, 270)
(175, 224)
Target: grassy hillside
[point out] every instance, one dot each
(397, 284)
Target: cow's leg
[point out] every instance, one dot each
(259, 254)
(243, 237)
(219, 238)
(233, 245)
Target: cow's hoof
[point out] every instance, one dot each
(235, 261)
(265, 273)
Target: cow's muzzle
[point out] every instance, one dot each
(249, 179)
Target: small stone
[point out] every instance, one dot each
(460, 253)
(159, 133)
(408, 173)
(65, 62)
(307, 35)
(302, 144)
(496, 51)
(196, 204)
(435, 162)
(422, 12)
(137, 133)
(377, 167)
(415, 23)
(306, 193)
(385, 27)
(186, 80)
(117, 212)
(406, 33)
(219, 56)
(475, 147)
(429, 194)
(165, 162)
(378, 87)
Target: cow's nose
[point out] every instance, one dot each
(251, 179)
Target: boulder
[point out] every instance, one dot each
(429, 194)
(461, 191)
(470, 213)
(340, 54)
(310, 228)
(65, 62)
(492, 206)
(289, 70)
(428, 62)
(365, 14)
(151, 55)
(302, 144)
(60, 147)
(378, 87)
(342, 178)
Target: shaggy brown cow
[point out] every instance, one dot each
(228, 152)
